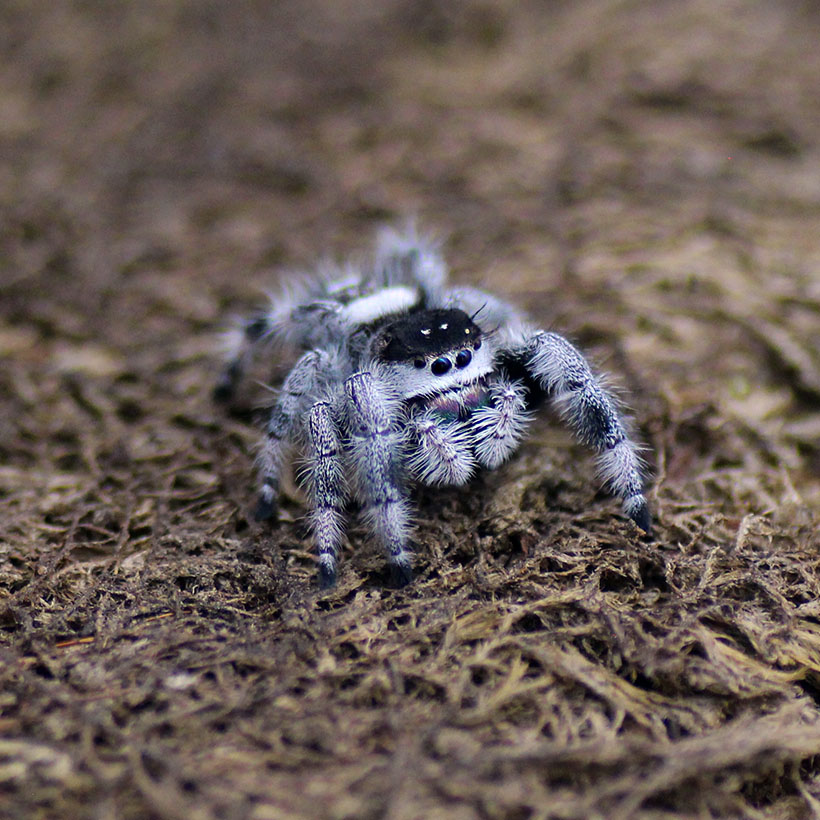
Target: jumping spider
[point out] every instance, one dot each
(404, 379)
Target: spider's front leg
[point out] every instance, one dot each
(372, 419)
(565, 375)
(326, 488)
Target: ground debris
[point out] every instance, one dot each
(641, 177)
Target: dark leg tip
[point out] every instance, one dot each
(327, 577)
(265, 509)
(223, 393)
(401, 574)
(640, 515)
(226, 386)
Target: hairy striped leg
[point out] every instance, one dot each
(326, 488)
(298, 315)
(286, 416)
(376, 451)
(440, 450)
(239, 346)
(590, 411)
(499, 427)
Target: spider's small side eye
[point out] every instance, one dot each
(418, 363)
(477, 345)
(440, 366)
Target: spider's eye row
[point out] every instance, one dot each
(440, 366)
(463, 358)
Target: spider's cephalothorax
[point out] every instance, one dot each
(403, 379)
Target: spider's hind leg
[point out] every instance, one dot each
(406, 257)
(239, 344)
(281, 322)
(300, 389)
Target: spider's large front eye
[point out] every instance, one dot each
(440, 366)
(463, 358)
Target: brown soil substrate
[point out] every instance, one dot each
(644, 177)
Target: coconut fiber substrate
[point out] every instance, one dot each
(641, 177)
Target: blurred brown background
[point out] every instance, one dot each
(643, 177)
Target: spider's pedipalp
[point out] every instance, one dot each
(500, 425)
(440, 451)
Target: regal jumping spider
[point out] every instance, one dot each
(404, 379)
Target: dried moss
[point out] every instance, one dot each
(618, 170)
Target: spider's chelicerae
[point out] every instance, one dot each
(405, 379)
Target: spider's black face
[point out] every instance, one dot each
(418, 336)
